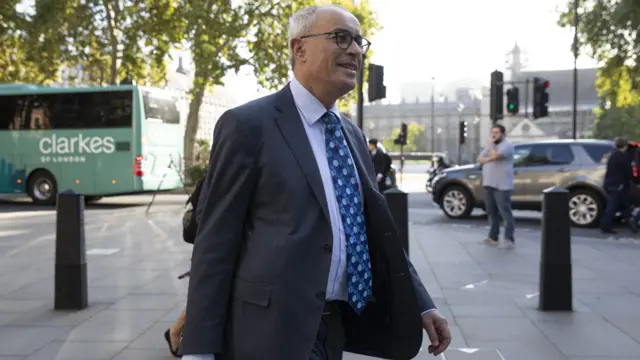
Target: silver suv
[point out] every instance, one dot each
(576, 165)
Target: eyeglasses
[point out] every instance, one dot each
(344, 39)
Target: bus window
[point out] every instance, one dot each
(160, 109)
(9, 113)
(111, 109)
(82, 110)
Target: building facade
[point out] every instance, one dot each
(441, 119)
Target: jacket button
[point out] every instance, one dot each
(328, 247)
(320, 295)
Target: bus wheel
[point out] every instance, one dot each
(42, 188)
(92, 199)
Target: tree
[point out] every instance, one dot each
(224, 37)
(618, 121)
(608, 31)
(16, 60)
(416, 140)
(110, 39)
(619, 113)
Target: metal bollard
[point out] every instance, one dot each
(71, 264)
(555, 252)
(398, 202)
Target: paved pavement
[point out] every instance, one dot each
(488, 294)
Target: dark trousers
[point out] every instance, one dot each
(618, 200)
(330, 340)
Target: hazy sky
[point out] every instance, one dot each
(453, 39)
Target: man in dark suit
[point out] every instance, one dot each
(381, 164)
(297, 256)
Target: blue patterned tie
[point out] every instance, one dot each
(345, 182)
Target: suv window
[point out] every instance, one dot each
(560, 154)
(520, 154)
(549, 154)
(598, 152)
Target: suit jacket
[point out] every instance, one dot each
(381, 162)
(262, 252)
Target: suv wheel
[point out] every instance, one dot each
(456, 202)
(585, 208)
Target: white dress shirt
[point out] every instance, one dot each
(311, 110)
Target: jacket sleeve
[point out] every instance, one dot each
(223, 206)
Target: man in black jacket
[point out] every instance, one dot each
(381, 164)
(617, 182)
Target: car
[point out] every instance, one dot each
(576, 165)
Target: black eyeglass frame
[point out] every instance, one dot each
(366, 44)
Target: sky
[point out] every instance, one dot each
(454, 40)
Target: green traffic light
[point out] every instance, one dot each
(511, 106)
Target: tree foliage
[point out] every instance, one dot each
(109, 39)
(224, 37)
(17, 63)
(608, 31)
(416, 139)
(618, 121)
(112, 39)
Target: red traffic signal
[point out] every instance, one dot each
(540, 98)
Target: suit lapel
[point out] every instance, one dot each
(290, 124)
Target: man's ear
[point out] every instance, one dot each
(297, 49)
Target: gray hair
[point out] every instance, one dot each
(302, 21)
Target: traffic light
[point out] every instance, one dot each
(513, 100)
(464, 132)
(402, 136)
(540, 97)
(496, 96)
(376, 89)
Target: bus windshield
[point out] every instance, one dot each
(160, 109)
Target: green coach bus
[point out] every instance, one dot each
(96, 141)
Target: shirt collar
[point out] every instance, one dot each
(310, 107)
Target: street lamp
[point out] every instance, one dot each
(433, 115)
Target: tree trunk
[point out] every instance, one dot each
(112, 11)
(193, 121)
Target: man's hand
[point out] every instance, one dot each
(437, 329)
(482, 160)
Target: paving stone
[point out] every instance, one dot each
(111, 325)
(477, 330)
(506, 350)
(153, 338)
(484, 311)
(146, 302)
(79, 351)
(587, 338)
(50, 317)
(144, 354)
(25, 340)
